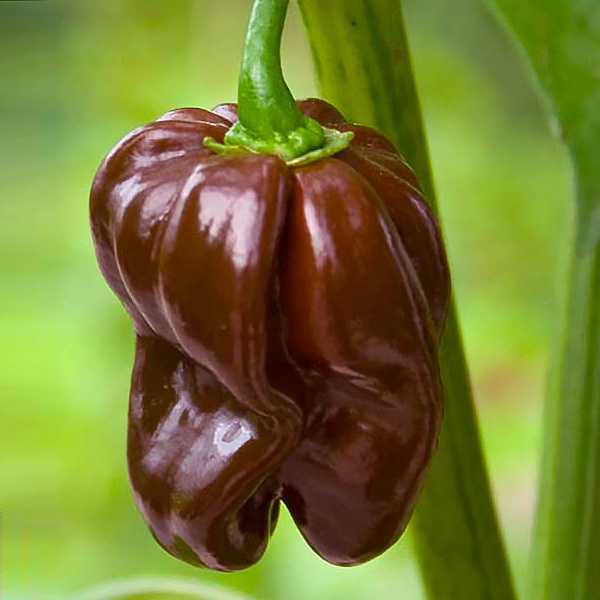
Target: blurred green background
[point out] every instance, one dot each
(74, 78)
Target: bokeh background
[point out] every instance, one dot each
(75, 77)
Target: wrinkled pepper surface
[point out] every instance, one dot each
(287, 327)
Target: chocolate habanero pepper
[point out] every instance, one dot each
(288, 287)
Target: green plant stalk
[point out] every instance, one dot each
(566, 554)
(363, 65)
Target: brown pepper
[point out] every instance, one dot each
(287, 326)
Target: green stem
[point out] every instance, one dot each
(566, 552)
(363, 65)
(266, 106)
(270, 122)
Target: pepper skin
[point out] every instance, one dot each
(287, 326)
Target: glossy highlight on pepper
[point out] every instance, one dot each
(287, 326)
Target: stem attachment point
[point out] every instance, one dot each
(334, 141)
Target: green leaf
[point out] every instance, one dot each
(158, 588)
(566, 552)
(562, 41)
(363, 65)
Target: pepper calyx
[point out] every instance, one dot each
(296, 149)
